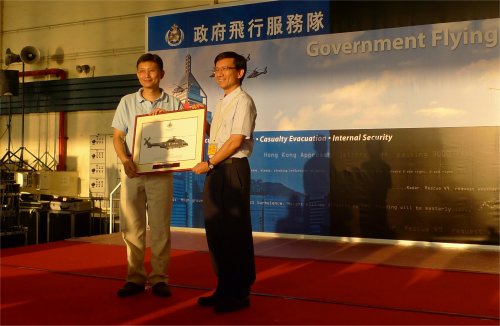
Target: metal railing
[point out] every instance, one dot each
(111, 214)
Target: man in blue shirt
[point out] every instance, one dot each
(141, 193)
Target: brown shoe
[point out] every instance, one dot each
(129, 289)
(208, 301)
(161, 289)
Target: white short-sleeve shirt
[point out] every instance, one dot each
(235, 114)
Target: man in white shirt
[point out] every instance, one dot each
(226, 193)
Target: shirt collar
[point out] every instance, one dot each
(232, 95)
(141, 99)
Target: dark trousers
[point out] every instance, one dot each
(226, 202)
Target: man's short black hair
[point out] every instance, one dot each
(239, 61)
(150, 57)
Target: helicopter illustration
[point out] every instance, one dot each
(168, 144)
(256, 73)
(178, 89)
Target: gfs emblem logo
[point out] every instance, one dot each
(174, 35)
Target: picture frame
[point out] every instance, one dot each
(169, 142)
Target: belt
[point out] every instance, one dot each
(231, 160)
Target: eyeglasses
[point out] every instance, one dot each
(222, 69)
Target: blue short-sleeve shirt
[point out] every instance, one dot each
(134, 104)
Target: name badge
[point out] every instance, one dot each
(212, 148)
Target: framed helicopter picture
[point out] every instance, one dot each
(173, 141)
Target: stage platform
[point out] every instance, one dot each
(472, 258)
(300, 281)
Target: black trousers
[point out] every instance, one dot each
(228, 226)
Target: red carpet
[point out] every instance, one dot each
(75, 283)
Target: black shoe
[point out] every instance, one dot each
(230, 305)
(161, 289)
(130, 288)
(208, 301)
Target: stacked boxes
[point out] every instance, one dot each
(104, 176)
